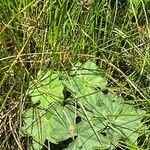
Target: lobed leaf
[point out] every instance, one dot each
(55, 124)
(90, 74)
(46, 89)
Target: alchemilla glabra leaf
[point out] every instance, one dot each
(55, 124)
(122, 120)
(47, 88)
(90, 74)
(86, 137)
(36, 125)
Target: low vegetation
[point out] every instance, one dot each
(75, 74)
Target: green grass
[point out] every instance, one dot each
(55, 34)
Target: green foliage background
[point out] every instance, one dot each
(36, 35)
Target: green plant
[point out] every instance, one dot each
(104, 120)
(56, 33)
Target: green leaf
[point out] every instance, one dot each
(123, 121)
(90, 74)
(87, 139)
(46, 89)
(63, 125)
(83, 93)
(37, 125)
(55, 124)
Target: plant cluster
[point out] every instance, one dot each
(38, 34)
(92, 119)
